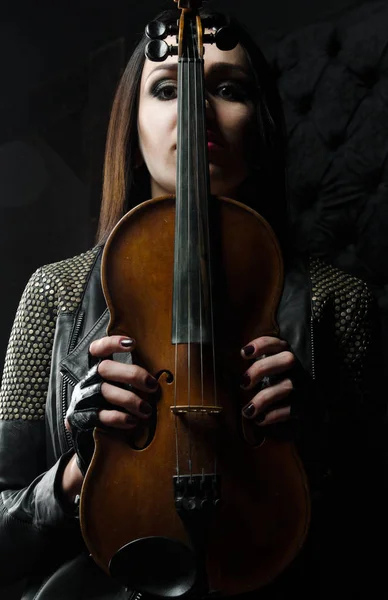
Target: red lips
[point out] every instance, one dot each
(213, 138)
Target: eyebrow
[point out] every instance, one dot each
(220, 67)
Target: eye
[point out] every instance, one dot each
(234, 91)
(164, 90)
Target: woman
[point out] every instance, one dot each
(59, 334)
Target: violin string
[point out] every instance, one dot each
(205, 163)
(204, 216)
(198, 80)
(212, 333)
(190, 174)
(176, 308)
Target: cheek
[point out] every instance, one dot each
(145, 127)
(156, 125)
(245, 127)
(239, 125)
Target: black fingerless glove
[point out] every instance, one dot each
(82, 415)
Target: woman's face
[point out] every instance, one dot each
(229, 118)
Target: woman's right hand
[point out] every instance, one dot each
(114, 372)
(133, 406)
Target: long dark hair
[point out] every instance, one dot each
(125, 185)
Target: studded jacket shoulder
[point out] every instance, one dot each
(53, 289)
(35, 531)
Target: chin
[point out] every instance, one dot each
(221, 184)
(218, 188)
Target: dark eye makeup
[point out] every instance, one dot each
(164, 89)
(232, 91)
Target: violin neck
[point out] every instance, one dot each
(192, 279)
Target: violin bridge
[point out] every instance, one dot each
(199, 409)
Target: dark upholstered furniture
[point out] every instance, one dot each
(333, 79)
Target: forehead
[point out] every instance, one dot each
(212, 56)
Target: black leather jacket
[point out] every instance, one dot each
(63, 309)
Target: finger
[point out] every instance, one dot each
(267, 399)
(270, 365)
(263, 345)
(127, 400)
(278, 415)
(111, 344)
(134, 375)
(119, 420)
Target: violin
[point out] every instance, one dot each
(201, 500)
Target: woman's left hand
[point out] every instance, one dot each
(272, 357)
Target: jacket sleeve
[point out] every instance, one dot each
(354, 512)
(35, 533)
(372, 437)
(362, 405)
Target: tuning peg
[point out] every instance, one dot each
(156, 30)
(225, 38)
(158, 50)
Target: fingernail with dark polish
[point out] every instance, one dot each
(245, 380)
(248, 410)
(248, 350)
(151, 383)
(145, 408)
(127, 343)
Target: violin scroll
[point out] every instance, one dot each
(189, 4)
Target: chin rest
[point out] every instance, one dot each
(155, 565)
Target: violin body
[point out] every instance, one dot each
(260, 507)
